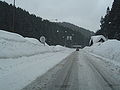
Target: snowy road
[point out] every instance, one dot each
(79, 71)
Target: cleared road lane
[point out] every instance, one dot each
(79, 71)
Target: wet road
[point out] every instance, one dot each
(78, 71)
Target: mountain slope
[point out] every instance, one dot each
(83, 31)
(29, 25)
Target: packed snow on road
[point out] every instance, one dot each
(106, 57)
(22, 60)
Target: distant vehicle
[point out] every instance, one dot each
(77, 49)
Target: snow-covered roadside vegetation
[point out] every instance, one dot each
(22, 60)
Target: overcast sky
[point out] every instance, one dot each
(84, 13)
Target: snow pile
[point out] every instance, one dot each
(58, 48)
(109, 49)
(22, 60)
(13, 45)
(34, 41)
(96, 39)
(11, 36)
(19, 72)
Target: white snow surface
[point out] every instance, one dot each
(106, 56)
(109, 49)
(34, 41)
(58, 48)
(14, 45)
(11, 36)
(22, 60)
(95, 39)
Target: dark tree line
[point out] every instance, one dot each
(29, 25)
(110, 24)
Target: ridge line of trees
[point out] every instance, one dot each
(29, 25)
(110, 24)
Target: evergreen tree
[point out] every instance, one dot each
(110, 24)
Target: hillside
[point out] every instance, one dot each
(30, 25)
(85, 32)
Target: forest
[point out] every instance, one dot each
(30, 25)
(110, 23)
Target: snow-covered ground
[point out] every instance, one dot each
(97, 38)
(108, 52)
(14, 46)
(22, 60)
(109, 49)
(106, 57)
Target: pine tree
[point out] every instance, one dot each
(110, 24)
(115, 20)
(104, 24)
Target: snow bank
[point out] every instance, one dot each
(22, 60)
(95, 39)
(13, 45)
(11, 36)
(57, 48)
(109, 49)
(19, 72)
(34, 41)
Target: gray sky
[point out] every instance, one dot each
(84, 13)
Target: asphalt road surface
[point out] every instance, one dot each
(78, 71)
